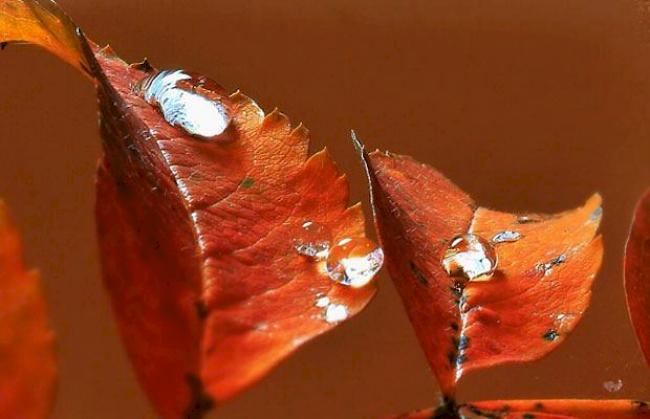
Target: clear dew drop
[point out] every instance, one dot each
(322, 302)
(335, 313)
(547, 267)
(186, 100)
(613, 386)
(312, 240)
(564, 322)
(506, 236)
(471, 257)
(354, 262)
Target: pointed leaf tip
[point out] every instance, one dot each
(45, 24)
(199, 237)
(468, 276)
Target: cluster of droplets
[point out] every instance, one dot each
(187, 100)
(351, 261)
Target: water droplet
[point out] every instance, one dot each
(312, 240)
(547, 267)
(470, 256)
(354, 262)
(551, 335)
(613, 386)
(335, 313)
(507, 236)
(564, 322)
(322, 302)
(187, 100)
(597, 214)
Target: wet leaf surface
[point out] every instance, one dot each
(197, 236)
(540, 409)
(27, 363)
(535, 297)
(637, 273)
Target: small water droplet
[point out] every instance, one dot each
(564, 322)
(335, 313)
(354, 262)
(470, 256)
(547, 267)
(551, 335)
(613, 385)
(312, 240)
(186, 100)
(597, 214)
(506, 236)
(322, 302)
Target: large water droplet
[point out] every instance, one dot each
(354, 262)
(187, 100)
(470, 256)
(312, 240)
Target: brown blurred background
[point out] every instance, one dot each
(527, 104)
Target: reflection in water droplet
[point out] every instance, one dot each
(506, 236)
(312, 240)
(354, 262)
(613, 386)
(335, 313)
(184, 100)
(470, 256)
(547, 267)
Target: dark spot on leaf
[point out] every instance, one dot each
(539, 406)
(201, 309)
(454, 326)
(551, 335)
(525, 219)
(247, 183)
(418, 274)
(528, 416)
(3, 45)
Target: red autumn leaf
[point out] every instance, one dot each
(27, 364)
(542, 409)
(197, 236)
(536, 296)
(637, 273)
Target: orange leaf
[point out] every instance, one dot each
(524, 310)
(637, 273)
(27, 364)
(197, 236)
(541, 409)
